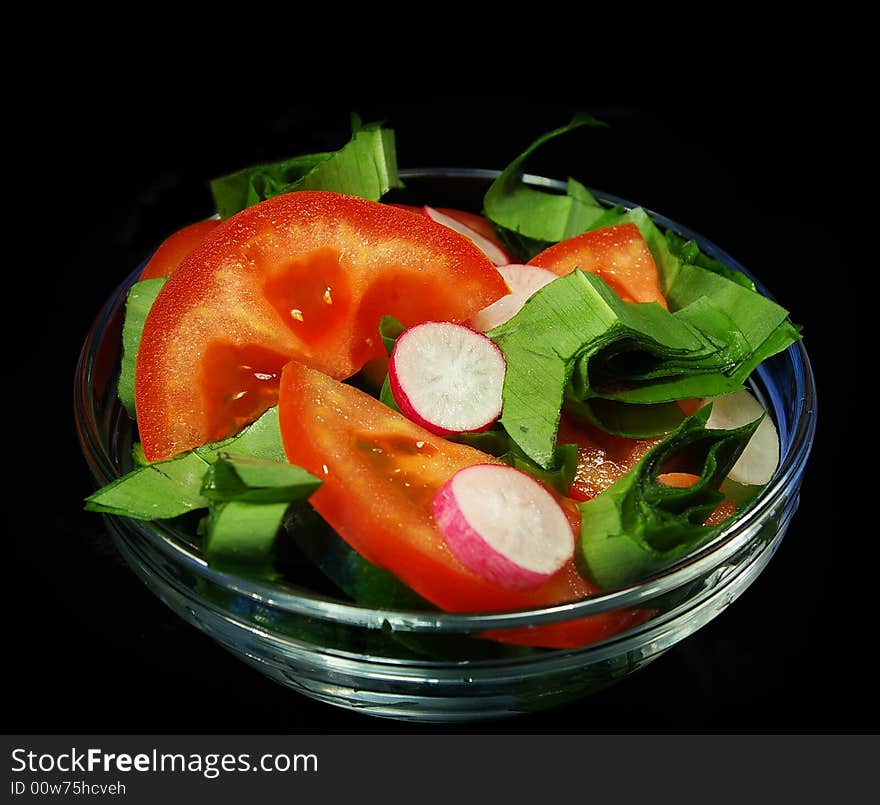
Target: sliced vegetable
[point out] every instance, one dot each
(256, 480)
(503, 525)
(366, 166)
(760, 458)
(239, 537)
(618, 254)
(176, 247)
(170, 488)
(447, 378)
(305, 275)
(248, 501)
(523, 281)
(530, 218)
(495, 253)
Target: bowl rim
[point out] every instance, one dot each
(288, 597)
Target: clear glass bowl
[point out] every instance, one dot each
(423, 665)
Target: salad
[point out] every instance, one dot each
(438, 408)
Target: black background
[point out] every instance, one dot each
(773, 180)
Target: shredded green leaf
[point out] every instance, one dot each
(239, 537)
(534, 218)
(639, 526)
(366, 166)
(256, 480)
(170, 488)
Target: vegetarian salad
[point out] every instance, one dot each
(442, 409)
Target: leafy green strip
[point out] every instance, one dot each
(248, 500)
(140, 299)
(529, 219)
(170, 488)
(638, 526)
(366, 166)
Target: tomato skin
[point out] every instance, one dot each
(176, 247)
(618, 254)
(380, 473)
(305, 275)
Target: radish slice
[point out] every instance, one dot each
(447, 378)
(523, 281)
(493, 252)
(503, 525)
(760, 459)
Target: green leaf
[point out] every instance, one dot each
(539, 215)
(170, 488)
(688, 251)
(366, 166)
(156, 492)
(386, 397)
(256, 480)
(754, 315)
(249, 498)
(390, 329)
(140, 299)
(239, 537)
(260, 439)
(639, 526)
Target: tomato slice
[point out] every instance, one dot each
(618, 254)
(603, 458)
(380, 474)
(305, 275)
(176, 247)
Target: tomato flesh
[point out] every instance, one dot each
(380, 473)
(303, 276)
(176, 247)
(603, 458)
(618, 254)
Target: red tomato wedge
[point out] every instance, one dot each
(304, 276)
(618, 254)
(380, 474)
(176, 247)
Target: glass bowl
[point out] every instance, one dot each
(422, 665)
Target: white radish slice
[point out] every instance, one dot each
(524, 282)
(760, 458)
(491, 250)
(503, 525)
(447, 377)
